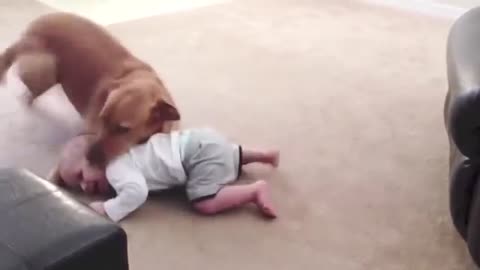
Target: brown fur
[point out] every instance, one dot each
(120, 97)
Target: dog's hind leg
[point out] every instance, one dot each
(38, 71)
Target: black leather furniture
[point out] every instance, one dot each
(462, 120)
(42, 228)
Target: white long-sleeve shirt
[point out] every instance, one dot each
(155, 165)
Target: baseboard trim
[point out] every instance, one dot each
(424, 7)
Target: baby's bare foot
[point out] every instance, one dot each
(263, 200)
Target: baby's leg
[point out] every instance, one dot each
(230, 197)
(271, 157)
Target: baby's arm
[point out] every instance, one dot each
(131, 188)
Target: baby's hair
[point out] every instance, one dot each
(59, 182)
(55, 178)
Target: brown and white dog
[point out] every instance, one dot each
(121, 98)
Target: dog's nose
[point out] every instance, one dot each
(95, 154)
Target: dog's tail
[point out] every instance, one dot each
(6, 60)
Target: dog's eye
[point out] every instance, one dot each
(119, 129)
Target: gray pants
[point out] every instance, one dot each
(210, 162)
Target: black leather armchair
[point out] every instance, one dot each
(42, 228)
(462, 120)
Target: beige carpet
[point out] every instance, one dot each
(351, 94)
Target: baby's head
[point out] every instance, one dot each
(93, 180)
(89, 179)
(76, 172)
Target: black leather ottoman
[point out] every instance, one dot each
(42, 228)
(462, 120)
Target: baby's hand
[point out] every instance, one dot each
(98, 207)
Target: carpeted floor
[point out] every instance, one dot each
(350, 93)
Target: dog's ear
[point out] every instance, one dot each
(164, 111)
(108, 106)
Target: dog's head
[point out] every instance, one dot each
(131, 114)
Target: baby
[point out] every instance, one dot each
(201, 160)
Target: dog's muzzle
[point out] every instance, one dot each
(96, 155)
